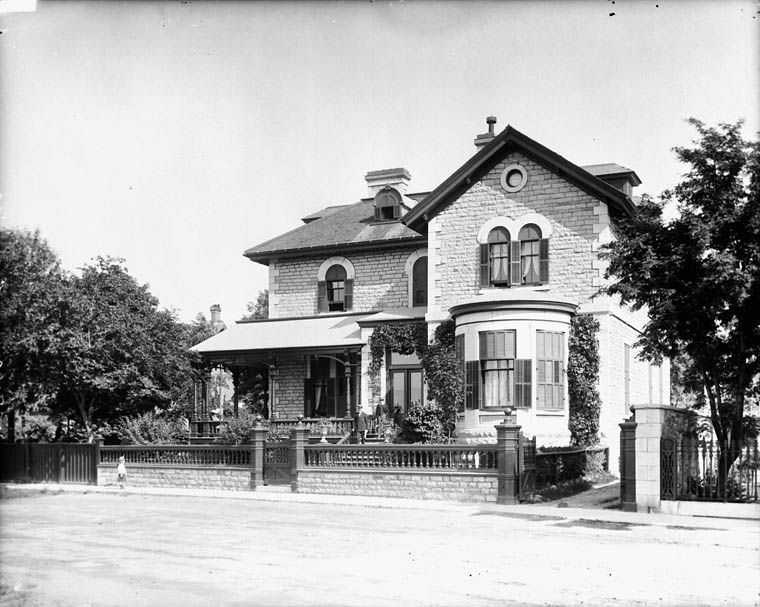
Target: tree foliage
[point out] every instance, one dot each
(583, 380)
(259, 308)
(698, 275)
(151, 428)
(116, 354)
(443, 376)
(31, 280)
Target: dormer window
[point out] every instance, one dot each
(387, 205)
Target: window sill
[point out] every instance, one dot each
(558, 413)
(497, 289)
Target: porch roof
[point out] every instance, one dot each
(261, 337)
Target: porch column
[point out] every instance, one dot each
(258, 436)
(235, 387)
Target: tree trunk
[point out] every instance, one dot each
(11, 425)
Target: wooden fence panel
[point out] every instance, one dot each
(49, 463)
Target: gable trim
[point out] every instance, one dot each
(508, 140)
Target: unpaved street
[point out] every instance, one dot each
(106, 550)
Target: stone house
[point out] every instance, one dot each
(506, 246)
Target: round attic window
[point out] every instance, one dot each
(514, 178)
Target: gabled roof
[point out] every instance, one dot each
(351, 226)
(509, 140)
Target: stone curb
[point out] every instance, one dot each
(537, 512)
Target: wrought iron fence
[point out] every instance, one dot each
(693, 469)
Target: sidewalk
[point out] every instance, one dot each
(546, 511)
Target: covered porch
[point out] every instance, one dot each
(310, 370)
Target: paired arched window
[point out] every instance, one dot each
(505, 262)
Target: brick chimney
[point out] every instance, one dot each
(485, 138)
(398, 179)
(216, 313)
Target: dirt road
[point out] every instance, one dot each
(107, 550)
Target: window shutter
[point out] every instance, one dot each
(459, 352)
(396, 211)
(543, 260)
(484, 266)
(308, 390)
(377, 213)
(348, 285)
(515, 275)
(523, 382)
(322, 296)
(472, 384)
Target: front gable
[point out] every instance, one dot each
(514, 194)
(511, 141)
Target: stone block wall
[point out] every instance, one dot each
(380, 282)
(178, 477)
(576, 222)
(462, 487)
(289, 386)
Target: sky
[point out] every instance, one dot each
(176, 135)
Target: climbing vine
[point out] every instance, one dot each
(442, 376)
(583, 381)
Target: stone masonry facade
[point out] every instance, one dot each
(455, 253)
(467, 487)
(380, 282)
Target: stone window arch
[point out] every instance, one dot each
(416, 270)
(335, 285)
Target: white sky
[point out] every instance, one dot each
(176, 135)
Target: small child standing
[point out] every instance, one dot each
(121, 473)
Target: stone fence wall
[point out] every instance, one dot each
(462, 487)
(178, 477)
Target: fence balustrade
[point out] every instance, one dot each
(430, 457)
(182, 455)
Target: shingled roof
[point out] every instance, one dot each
(351, 226)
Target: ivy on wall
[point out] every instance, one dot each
(583, 380)
(442, 376)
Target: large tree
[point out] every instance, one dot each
(31, 280)
(698, 274)
(116, 354)
(259, 308)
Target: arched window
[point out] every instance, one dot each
(505, 262)
(387, 204)
(335, 291)
(419, 282)
(530, 238)
(498, 256)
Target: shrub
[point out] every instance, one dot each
(236, 430)
(151, 429)
(424, 423)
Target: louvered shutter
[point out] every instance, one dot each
(515, 275)
(377, 213)
(472, 384)
(543, 260)
(322, 296)
(459, 353)
(484, 266)
(396, 211)
(523, 382)
(349, 294)
(308, 390)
